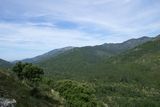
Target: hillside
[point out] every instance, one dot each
(4, 64)
(133, 76)
(13, 89)
(140, 64)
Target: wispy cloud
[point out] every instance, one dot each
(29, 28)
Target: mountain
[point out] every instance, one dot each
(80, 58)
(47, 55)
(131, 65)
(99, 50)
(123, 75)
(126, 79)
(4, 64)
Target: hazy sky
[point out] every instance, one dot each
(32, 27)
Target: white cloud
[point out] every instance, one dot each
(42, 39)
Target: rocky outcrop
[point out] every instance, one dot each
(4, 102)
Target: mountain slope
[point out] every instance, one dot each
(4, 64)
(47, 55)
(130, 79)
(80, 59)
(140, 64)
(122, 47)
(13, 89)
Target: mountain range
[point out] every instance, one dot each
(79, 55)
(133, 62)
(84, 57)
(107, 49)
(123, 74)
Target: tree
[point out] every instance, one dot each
(32, 73)
(27, 71)
(18, 68)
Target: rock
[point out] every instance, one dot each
(105, 105)
(4, 102)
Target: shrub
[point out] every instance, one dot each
(77, 94)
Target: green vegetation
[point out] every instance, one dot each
(126, 80)
(28, 72)
(77, 94)
(12, 88)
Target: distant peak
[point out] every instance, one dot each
(157, 37)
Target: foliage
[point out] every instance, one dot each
(77, 94)
(18, 68)
(32, 73)
(27, 71)
(11, 88)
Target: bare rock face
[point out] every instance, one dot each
(4, 102)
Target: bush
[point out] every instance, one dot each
(77, 94)
(29, 72)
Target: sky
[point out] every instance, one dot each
(32, 27)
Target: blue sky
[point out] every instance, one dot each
(32, 27)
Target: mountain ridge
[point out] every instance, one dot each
(106, 49)
(47, 55)
(128, 66)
